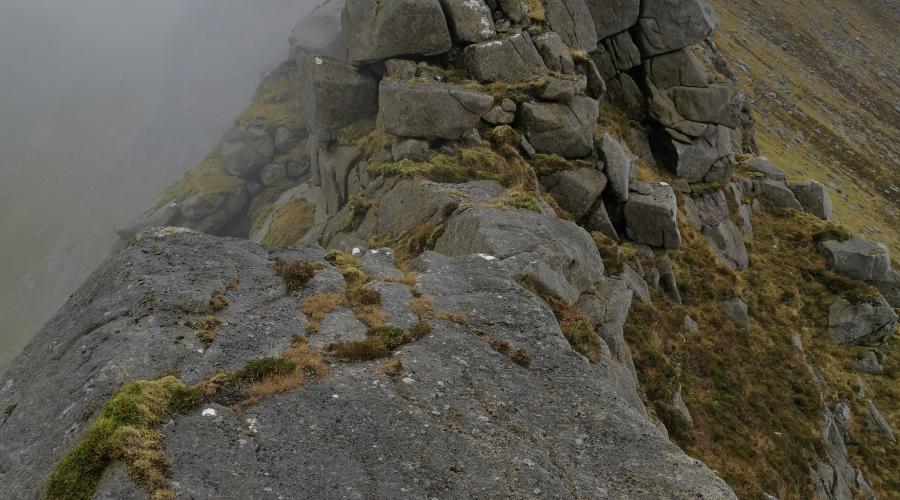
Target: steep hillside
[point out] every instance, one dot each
(824, 79)
(497, 250)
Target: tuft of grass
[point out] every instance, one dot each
(265, 368)
(316, 307)
(206, 328)
(306, 363)
(577, 329)
(504, 135)
(295, 273)
(524, 200)
(290, 223)
(127, 429)
(217, 302)
(392, 368)
(518, 356)
(466, 164)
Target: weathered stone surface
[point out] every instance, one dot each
(512, 60)
(650, 218)
(285, 140)
(378, 264)
(667, 25)
(576, 191)
(555, 255)
(690, 324)
(498, 116)
(401, 69)
(858, 257)
(890, 287)
(572, 20)
(246, 149)
(563, 89)
(326, 88)
(879, 422)
(861, 324)
(678, 68)
(778, 194)
(301, 194)
(618, 166)
(319, 33)
(554, 52)
(598, 220)
(516, 11)
(704, 159)
(333, 163)
(613, 16)
(469, 20)
(765, 167)
(160, 217)
(625, 92)
(429, 109)
(719, 104)
(868, 363)
(389, 28)
(272, 174)
(623, 53)
(607, 310)
(814, 198)
(736, 310)
(410, 149)
(563, 129)
(636, 283)
(718, 228)
(339, 325)
(680, 406)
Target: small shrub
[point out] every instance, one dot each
(363, 296)
(524, 201)
(295, 273)
(206, 328)
(501, 346)
(316, 307)
(520, 357)
(392, 368)
(217, 302)
(421, 307)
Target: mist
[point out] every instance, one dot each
(103, 103)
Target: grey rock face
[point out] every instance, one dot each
(814, 198)
(572, 20)
(859, 258)
(862, 324)
(719, 104)
(469, 20)
(868, 363)
(512, 60)
(636, 283)
(623, 91)
(764, 166)
(650, 218)
(607, 310)
(516, 11)
(598, 220)
(334, 164)
(556, 255)
(681, 407)
(285, 140)
(778, 194)
(890, 287)
(498, 116)
(429, 110)
(389, 28)
(720, 231)
(623, 53)
(554, 53)
(410, 149)
(272, 174)
(703, 159)
(736, 310)
(576, 190)
(879, 421)
(679, 68)
(326, 88)
(246, 149)
(618, 166)
(613, 16)
(319, 33)
(563, 89)
(563, 129)
(690, 324)
(305, 192)
(667, 25)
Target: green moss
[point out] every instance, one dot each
(126, 429)
(504, 135)
(290, 223)
(277, 103)
(550, 164)
(524, 201)
(208, 179)
(355, 133)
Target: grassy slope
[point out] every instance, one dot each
(822, 75)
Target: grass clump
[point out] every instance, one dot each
(378, 343)
(290, 223)
(217, 302)
(305, 363)
(206, 328)
(518, 356)
(126, 429)
(504, 135)
(208, 179)
(295, 274)
(466, 164)
(524, 200)
(316, 307)
(577, 329)
(349, 266)
(261, 369)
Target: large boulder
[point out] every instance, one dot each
(333, 164)
(618, 166)
(861, 324)
(777, 193)
(721, 232)
(469, 20)
(859, 258)
(707, 158)
(564, 129)
(613, 16)
(577, 190)
(668, 25)
(622, 52)
(650, 218)
(319, 33)
(719, 104)
(554, 52)
(429, 109)
(326, 88)
(512, 60)
(762, 165)
(388, 28)
(607, 310)
(245, 149)
(813, 196)
(572, 20)
(678, 68)
(554, 255)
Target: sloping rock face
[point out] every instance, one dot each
(450, 409)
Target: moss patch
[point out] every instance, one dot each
(126, 429)
(290, 223)
(208, 179)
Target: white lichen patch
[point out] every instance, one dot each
(487, 257)
(209, 412)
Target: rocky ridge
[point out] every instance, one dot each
(514, 188)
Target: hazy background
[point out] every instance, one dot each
(103, 103)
